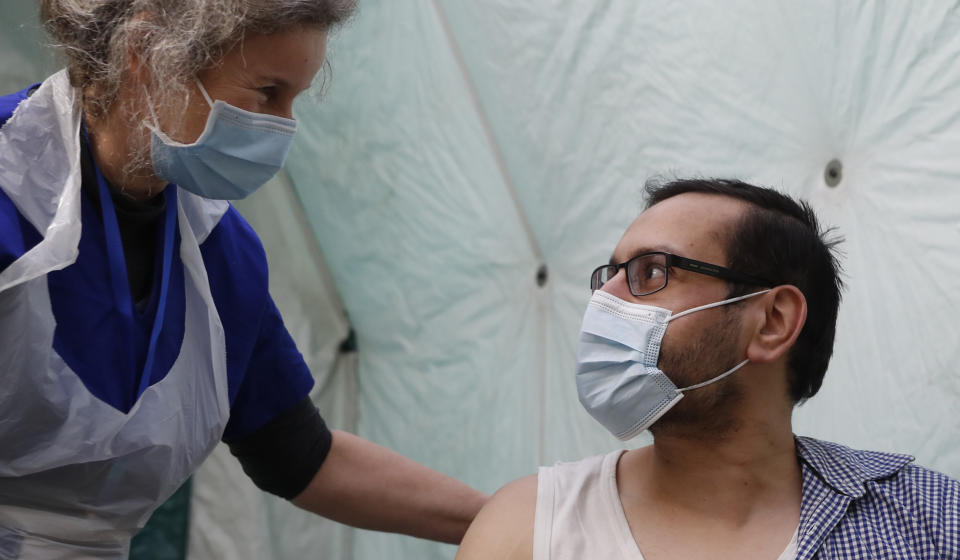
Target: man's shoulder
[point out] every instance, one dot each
(866, 474)
(504, 527)
(836, 461)
(519, 492)
(897, 506)
(930, 482)
(848, 469)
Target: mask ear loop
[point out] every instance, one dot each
(715, 304)
(717, 378)
(708, 306)
(155, 125)
(203, 90)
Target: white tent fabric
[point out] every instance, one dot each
(462, 144)
(24, 60)
(471, 162)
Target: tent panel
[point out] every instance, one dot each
(429, 253)
(26, 58)
(614, 94)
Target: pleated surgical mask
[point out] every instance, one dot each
(618, 381)
(237, 152)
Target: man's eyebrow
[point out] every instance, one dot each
(643, 250)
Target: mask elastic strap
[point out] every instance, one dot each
(203, 90)
(153, 112)
(155, 126)
(716, 304)
(717, 378)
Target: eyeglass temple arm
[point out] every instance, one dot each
(714, 270)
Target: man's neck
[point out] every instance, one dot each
(733, 476)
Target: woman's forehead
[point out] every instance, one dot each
(293, 56)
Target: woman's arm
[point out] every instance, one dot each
(368, 486)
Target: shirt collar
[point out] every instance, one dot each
(845, 469)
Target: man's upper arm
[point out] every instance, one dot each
(503, 530)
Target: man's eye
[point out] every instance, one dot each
(655, 272)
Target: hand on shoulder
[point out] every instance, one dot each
(503, 530)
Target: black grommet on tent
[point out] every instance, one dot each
(542, 275)
(349, 344)
(833, 173)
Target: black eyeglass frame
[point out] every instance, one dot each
(671, 261)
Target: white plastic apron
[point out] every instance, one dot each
(78, 477)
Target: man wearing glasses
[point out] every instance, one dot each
(715, 317)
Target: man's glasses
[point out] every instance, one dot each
(648, 273)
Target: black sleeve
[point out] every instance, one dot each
(283, 455)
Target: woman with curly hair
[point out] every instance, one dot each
(136, 329)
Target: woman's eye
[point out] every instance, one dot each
(269, 91)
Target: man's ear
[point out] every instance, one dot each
(779, 322)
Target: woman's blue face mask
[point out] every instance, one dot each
(237, 152)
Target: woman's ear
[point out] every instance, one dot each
(136, 69)
(136, 63)
(781, 318)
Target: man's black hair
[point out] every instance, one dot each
(779, 239)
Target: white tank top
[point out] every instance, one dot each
(579, 514)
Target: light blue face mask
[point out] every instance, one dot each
(235, 155)
(617, 376)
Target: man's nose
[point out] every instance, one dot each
(617, 286)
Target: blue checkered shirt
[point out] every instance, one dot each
(864, 504)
